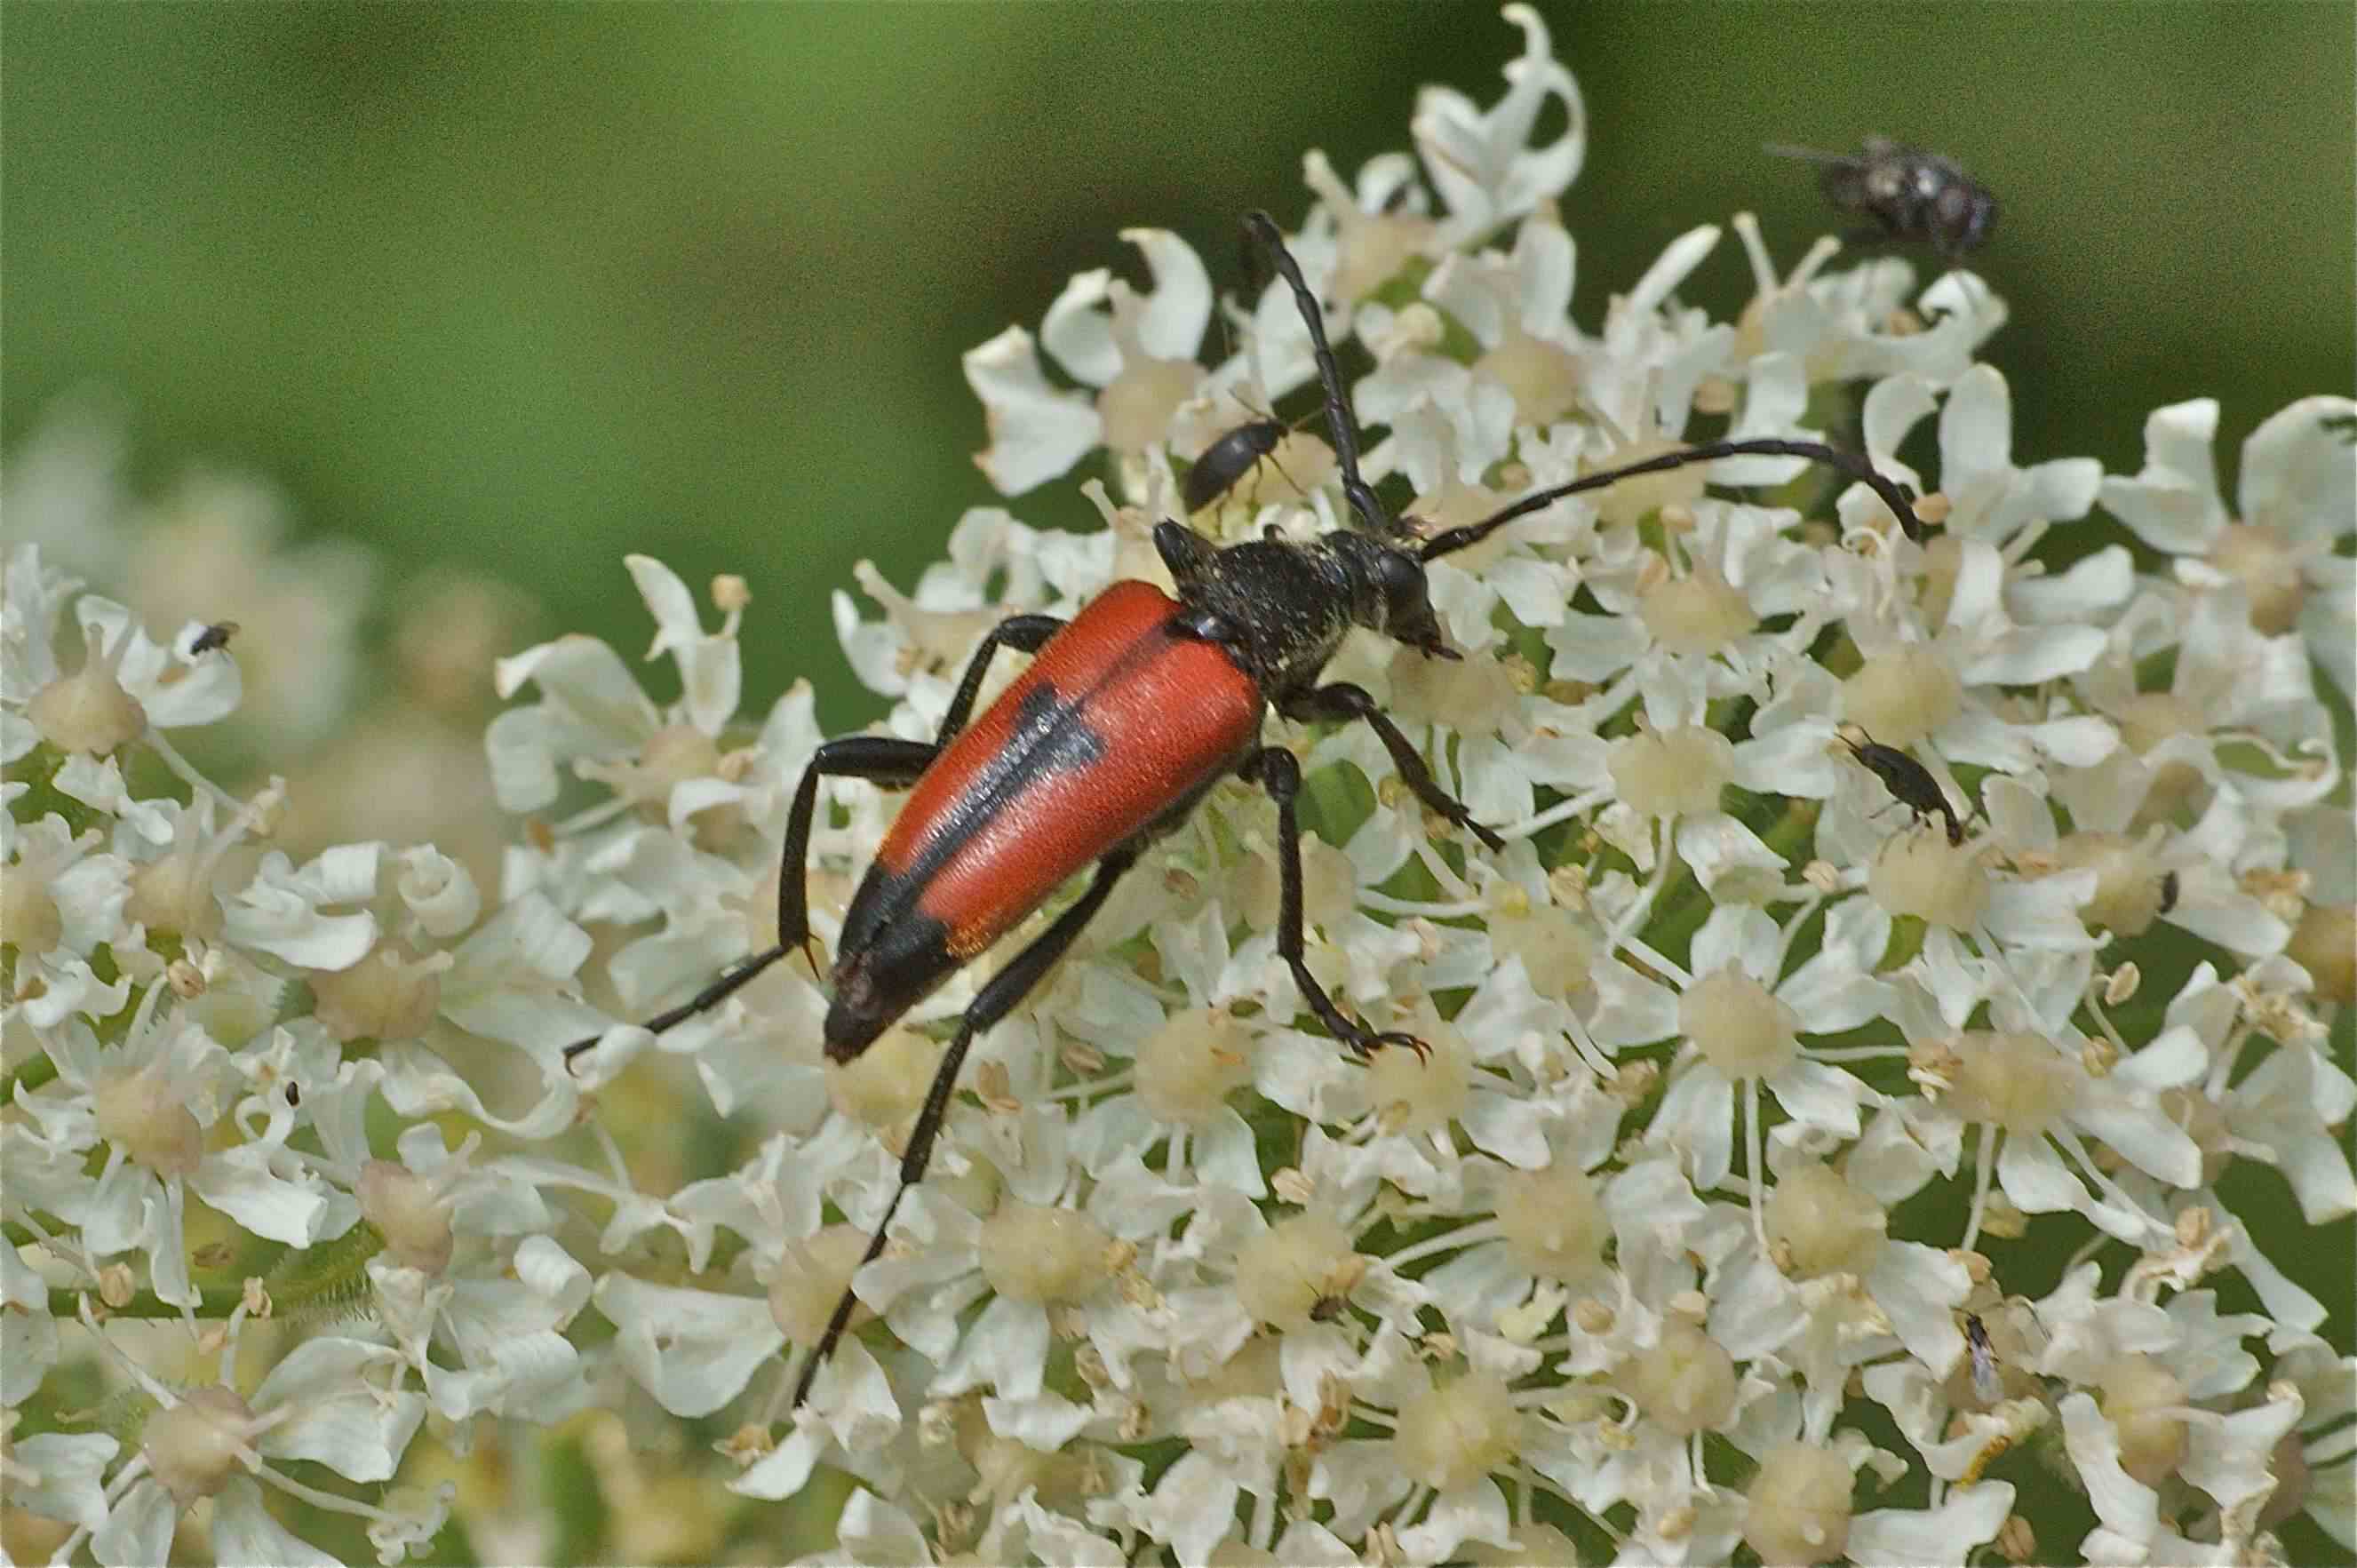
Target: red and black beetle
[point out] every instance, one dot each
(1128, 715)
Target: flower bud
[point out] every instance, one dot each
(1798, 1507)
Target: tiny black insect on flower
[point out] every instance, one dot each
(2167, 891)
(1986, 1382)
(1910, 782)
(213, 638)
(1912, 194)
(1226, 461)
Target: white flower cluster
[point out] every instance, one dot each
(1620, 1270)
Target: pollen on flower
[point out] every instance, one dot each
(1821, 1224)
(1035, 1252)
(1920, 872)
(1188, 1068)
(1901, 694)
(1455, 1432)
(2018, 1081)
(1553, 1224)
(2128, 881)
(812, 1275)
(1543, 376)
(89, 710)
(2139, 1397)
(1685, 1382)
(1798, 1508)
(1740, 1028)
(884, 1085)
(1418, 1094)
(2324, 944)
(1672, 773)
(1696, 616)
(388, 995)
(1283, 1272)
(145, 1114)
(198, 1446)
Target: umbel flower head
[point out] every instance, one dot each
(1790, 1172)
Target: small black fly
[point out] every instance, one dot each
(1912, 194)
(213, 639)
(1910, 782)
(1986, 1382)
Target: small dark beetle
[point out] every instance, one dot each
(213, 638)
(1910, 782)
(1126, 718)
(1912, 194)
(2167, 891)
(1226, 461)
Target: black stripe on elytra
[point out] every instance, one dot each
(1051, 734)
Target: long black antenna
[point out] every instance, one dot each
(1344, 429)
(1264, 231)
(1894, 495)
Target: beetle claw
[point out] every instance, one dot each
(1369, 1042)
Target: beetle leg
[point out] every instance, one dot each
(1276, 770)
(1026, 634)
(880, 759)
(997, 999)
(1342, 701)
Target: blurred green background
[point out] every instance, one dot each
(528, 286)
(521, 288)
